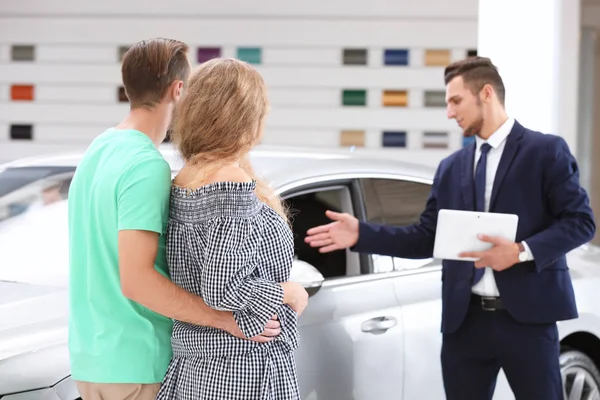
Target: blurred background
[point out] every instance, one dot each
(343, 74)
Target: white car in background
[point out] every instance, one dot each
(372, 327)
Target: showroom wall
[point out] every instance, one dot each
(588, 156)
(340, 73)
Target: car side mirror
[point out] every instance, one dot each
(308, 276)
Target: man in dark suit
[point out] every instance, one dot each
(500, 311)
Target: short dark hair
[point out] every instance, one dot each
(150, 67)
(476, 73)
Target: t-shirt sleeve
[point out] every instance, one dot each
(143, 196)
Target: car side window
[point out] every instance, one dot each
(33, 208)
(307, 210)
(395, 202)
(26, 189)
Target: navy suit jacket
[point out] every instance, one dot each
(537, 179)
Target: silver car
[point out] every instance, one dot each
(372, 327)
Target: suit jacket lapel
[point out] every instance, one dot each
(467, 187)
(508, 155)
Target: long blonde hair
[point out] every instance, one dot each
(220, 118)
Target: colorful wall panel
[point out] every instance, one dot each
(368, 75)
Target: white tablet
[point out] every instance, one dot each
(457, 232)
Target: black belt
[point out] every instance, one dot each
(487, 303)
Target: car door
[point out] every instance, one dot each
(417, 284)
(351, 331)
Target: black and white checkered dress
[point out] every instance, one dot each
(227, 246)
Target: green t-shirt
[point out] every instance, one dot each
(122, 182)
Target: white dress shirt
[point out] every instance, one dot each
(487, 285)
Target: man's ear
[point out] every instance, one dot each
(176, 90)
(487, 93)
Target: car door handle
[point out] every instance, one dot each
(379, 325)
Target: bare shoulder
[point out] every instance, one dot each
(192, 179)
(230, 174)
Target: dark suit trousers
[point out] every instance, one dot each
(489, 340)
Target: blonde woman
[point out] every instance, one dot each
(229, 242)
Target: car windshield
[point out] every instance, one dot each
(33, 224)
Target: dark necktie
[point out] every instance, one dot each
(480, 194)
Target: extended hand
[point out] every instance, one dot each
(504, 254)
(340, 234)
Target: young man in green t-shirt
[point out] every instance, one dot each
(121, 300)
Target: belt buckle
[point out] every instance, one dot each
(483, 303)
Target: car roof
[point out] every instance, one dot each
(280, 165)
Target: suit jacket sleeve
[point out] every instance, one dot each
(573, 220)
(413, 241)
